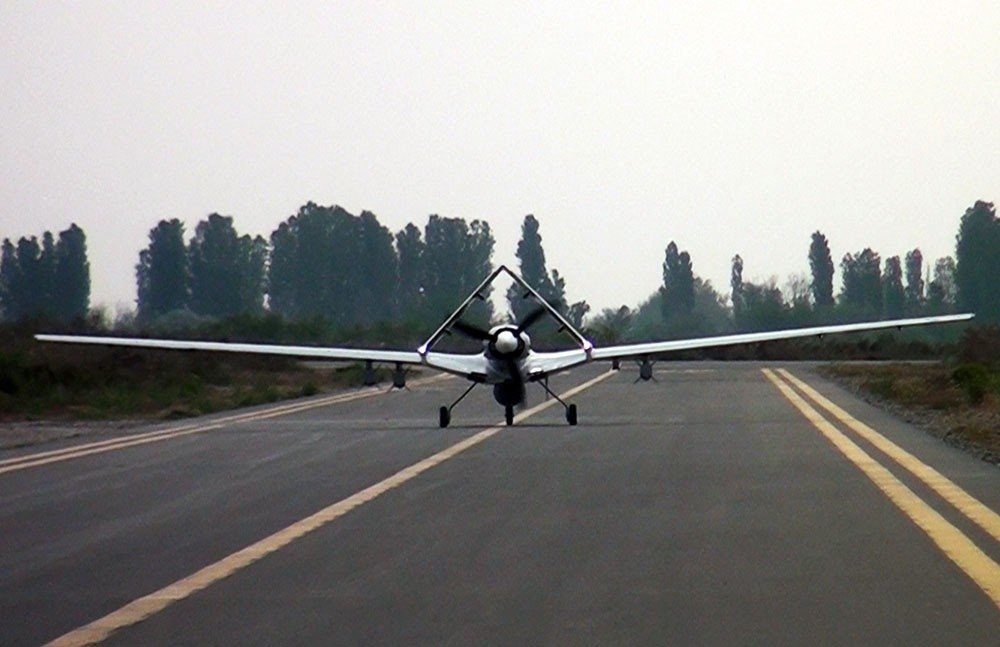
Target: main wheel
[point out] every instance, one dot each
(571, 415)
(444, 417)
(509, 414)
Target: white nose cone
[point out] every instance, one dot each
(506, 342)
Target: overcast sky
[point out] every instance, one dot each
(730, 127)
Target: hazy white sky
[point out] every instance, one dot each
(730, 127)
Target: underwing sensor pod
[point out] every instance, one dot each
(506, 362)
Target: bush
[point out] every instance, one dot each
(980, 345)
(974, 379)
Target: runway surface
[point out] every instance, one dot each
(724, 504)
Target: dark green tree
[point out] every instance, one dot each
(307, 274)
(941, 291)
(576, 313)
(409, 293)
(10, 270)
(326, 262)
(376, 274)
(227, 270)
(611, 326)
(764, 307)
(30, 286)
(977, 256)
(821, 265)
(282, 270)
(914, 282)
(678, 283)
(46, 279)
(862, 291)
(893, 293)
(253, 287)
(457, 258)
(531, 266)
(162, 272)
(71, 290)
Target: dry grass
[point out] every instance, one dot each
(960, 404)
(62, 383)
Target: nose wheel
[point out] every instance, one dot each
(508, 414)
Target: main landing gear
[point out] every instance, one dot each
(570, 408)
(444, 413)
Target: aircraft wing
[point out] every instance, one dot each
(657, 347)
(538, 365)
(319, 352)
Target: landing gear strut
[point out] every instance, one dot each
(370, 377)
(399, 377)
(444, 413)
(570, 408)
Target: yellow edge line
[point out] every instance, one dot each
(964, 502)
(955, 545)
(144, 607)
(100, 447)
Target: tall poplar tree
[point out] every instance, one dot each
(862, 273)
(376, 273)
(162, 271)
(71, 290)
(678, 283)
(893, 293)
(227, 270)
(282, 270)
(821, 265)
(29, 287)
(409, 293)
(10, 271)
(458, 256)
(914, 281)
(46, 279)
(977, 256)
(532, 268)
(326, 262)
(941, 291)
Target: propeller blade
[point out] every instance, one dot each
(532, 317)
(471, 331)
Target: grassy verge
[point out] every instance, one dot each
(958, 402)
(51, 382)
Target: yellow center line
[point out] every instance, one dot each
(122, 442)
(955, 545)
(144, 607)
(964, 502)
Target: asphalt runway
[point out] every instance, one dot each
(723, 504)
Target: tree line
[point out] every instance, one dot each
(324, 263)
(870, 289)
(48, 278)
(321, 263)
